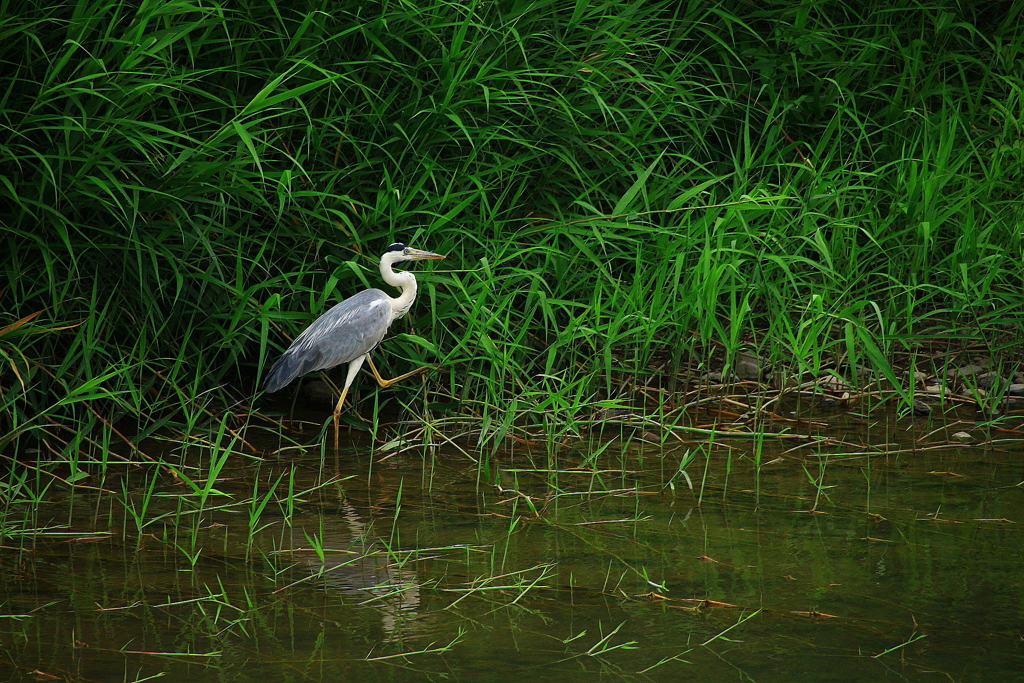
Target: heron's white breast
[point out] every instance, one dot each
(389, 304)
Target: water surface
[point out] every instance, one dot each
(784, 563)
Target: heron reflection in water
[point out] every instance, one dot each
(350, 330)
(351, 560)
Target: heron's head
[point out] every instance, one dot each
(397, 252)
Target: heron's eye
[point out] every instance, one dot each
(406, 251)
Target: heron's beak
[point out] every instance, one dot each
(417, 255)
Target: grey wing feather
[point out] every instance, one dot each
(347, 331)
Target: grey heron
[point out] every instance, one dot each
(350, 330)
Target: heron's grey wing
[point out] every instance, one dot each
(347, 331)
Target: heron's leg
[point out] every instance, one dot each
(385, 383)
(353, 370)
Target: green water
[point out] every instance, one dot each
(436, 568)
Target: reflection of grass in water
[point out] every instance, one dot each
(818, 482)
(534, 573)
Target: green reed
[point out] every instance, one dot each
(619, 190)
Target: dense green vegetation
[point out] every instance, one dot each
(623, 189)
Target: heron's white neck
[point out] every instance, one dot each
(406, 283)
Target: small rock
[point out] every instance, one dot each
(609, 414)
(935, 389)
(922, 408)
(828, 402)
(864, 372)
(965, 371)
(988, 380)
(713, 377)
(317, 393)
(748, 366)
(962, 437)
(833, 383)
(1015, 390)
